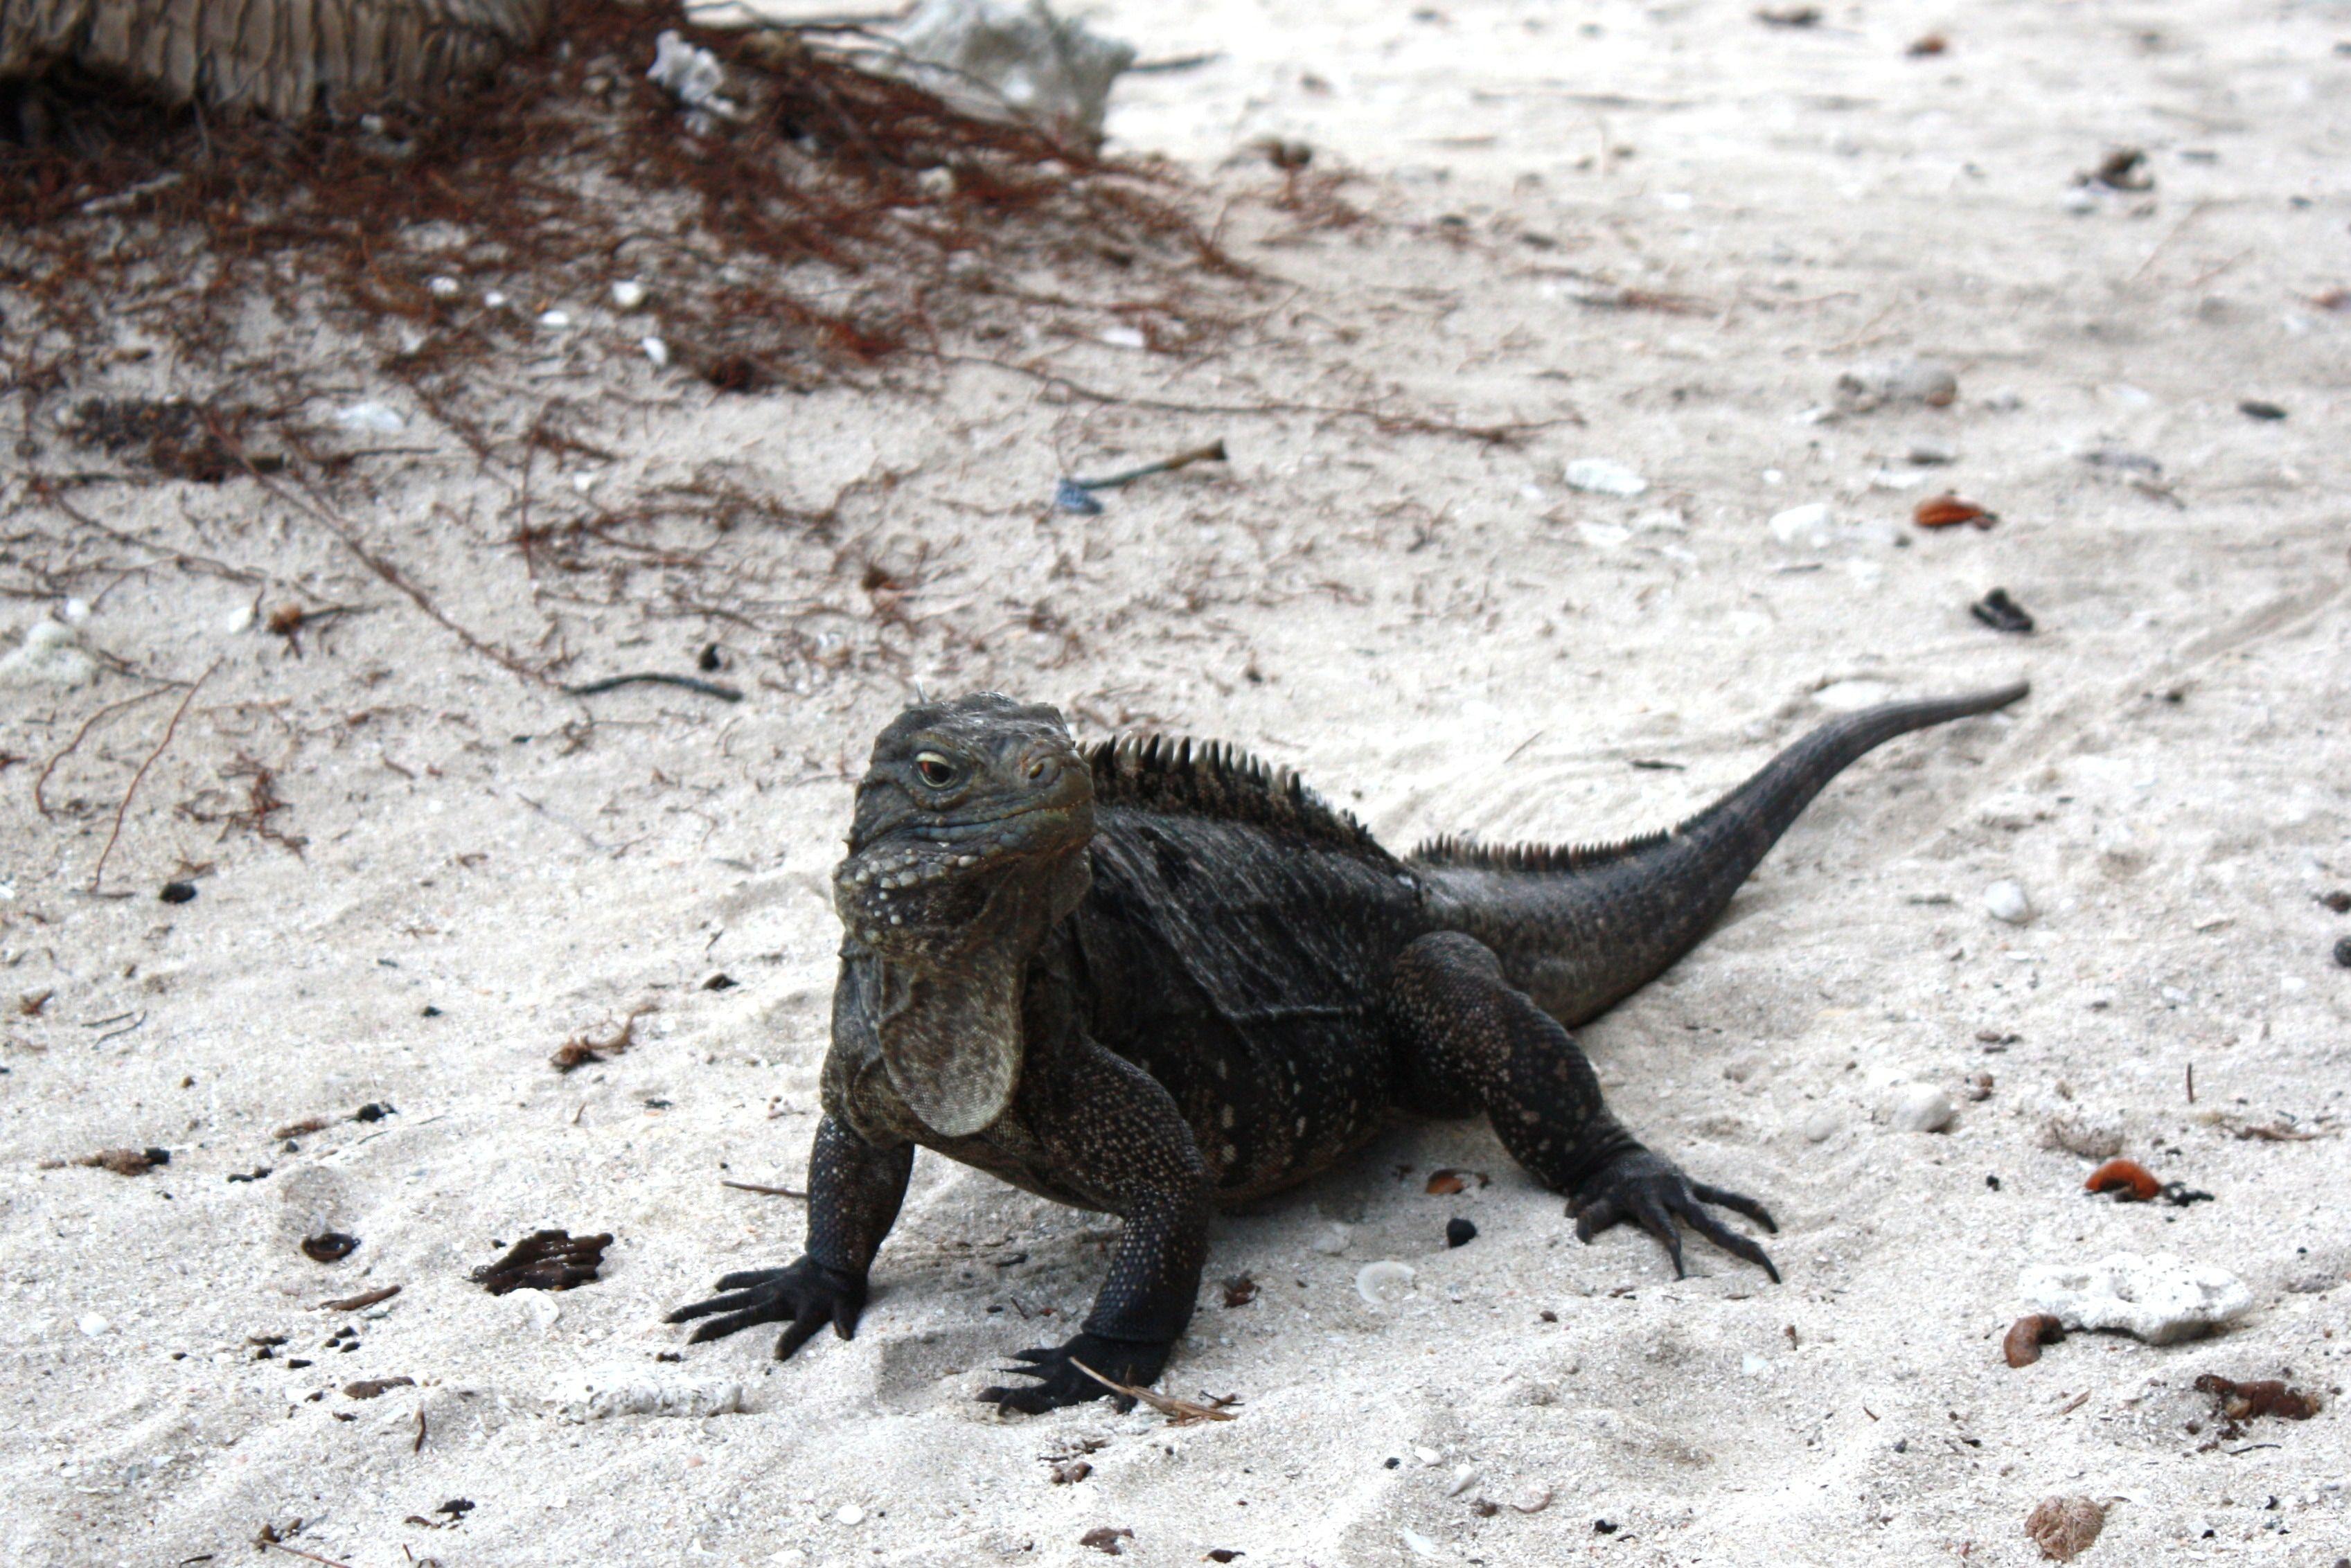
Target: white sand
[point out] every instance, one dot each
(1447, 639)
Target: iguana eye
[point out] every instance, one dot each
(937, 771)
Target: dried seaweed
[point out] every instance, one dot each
(545, 1260)
(847, 215)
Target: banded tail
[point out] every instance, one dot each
(1581, 928)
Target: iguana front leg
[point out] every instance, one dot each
(1109, 1130)
(1466, 1032)
(855, 1190)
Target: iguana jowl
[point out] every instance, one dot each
(1153, 977)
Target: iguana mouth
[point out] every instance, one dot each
(937, 853)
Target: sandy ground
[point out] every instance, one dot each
(1442, 636)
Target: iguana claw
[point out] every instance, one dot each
(1651, 1191)
(806, 1294)
(1134, 1363)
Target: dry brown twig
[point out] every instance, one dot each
(41, 784)
(97, 872)
(1179, 1412)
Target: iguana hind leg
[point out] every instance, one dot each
(1466, 1033)
(1110, 1130)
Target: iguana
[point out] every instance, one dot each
(1153, 977)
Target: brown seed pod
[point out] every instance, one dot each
(2128, 1178)
(2025, 1337)
(1950, 511)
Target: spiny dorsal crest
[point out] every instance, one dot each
(1209, 778)
(1454, 852)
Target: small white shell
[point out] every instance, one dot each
(1384, 1283)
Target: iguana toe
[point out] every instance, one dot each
(1651, 1191)
(805, 1294)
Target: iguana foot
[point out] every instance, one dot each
(806, 1294)
(1651, 1191)
(1136, 1363)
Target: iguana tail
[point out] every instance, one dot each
(1581, 928)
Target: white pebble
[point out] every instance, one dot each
(851, 1514)
(628, 293)
(1426, 1455)
(1820, 1126)
(50, 656)
(1464, 1478)
(2160, 1298)
(1384, 1283)
(1807, 527)
(1123, 338)
(656, 350)
(442, 288)
(631, 1390)
(1852, 697)
(1598, 476)
(1333, 1242)
(1922, 1108)
(2005, 901)
(554, 320)
(1418, 1544)
(1755, 1365)
(372, 416)
(495, 300)
(94, 1324)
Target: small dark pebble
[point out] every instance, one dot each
(1459, 1232)
(2343, 952)
(177, 892)
(330, 1246)
(657, 1104)
(719, 983)
(1901, 1445)
(545, 1260)
(2254, 407)
(295, 1364)
(374, 1110)
(2180, 1195)
(2339, 901)
(258, 1173)
(2001, 613)
(1992, 1181)
(1547, 1315)
(709, 660)
(431, 1012)
(1604, 1527)
(1392, 1463)
(456, 1507)
(1239, 1290)
(2124, 169)
(1224, 1553)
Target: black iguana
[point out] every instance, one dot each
(1151, 977)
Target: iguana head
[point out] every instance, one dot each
(967, 846)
